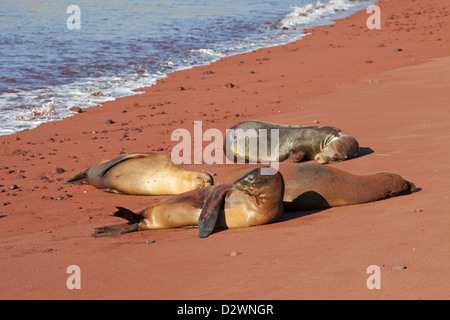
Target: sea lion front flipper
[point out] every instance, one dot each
(110, 190)
(210, 212)
(120, 159)
(299, 157)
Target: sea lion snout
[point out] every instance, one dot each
(320, 160)
(248, 183)
(409, 187)
(204, 180)
(328, 156)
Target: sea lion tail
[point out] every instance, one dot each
(79, 178)
(210, 212)
(132, 225)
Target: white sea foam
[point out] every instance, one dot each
(316, 13)
(46, 111)
(24, 110)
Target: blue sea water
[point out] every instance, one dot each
(47, 66)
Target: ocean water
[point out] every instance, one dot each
(48, 64)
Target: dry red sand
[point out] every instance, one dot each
(389, 88)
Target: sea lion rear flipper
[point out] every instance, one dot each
(208, 216)
(120, 159)
(115, 229)
(128, 215)
(78, 179)
(132, 225)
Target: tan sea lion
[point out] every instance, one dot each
(310, 186)
(142, 174)
(323, 144)
(252, 200)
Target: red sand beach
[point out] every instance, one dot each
(389, 88)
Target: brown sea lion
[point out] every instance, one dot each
(323, 144)
(142, 174)
(310, 186)
(252, 200)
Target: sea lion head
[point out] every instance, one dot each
(338, 149)
(407, 187)
(261, 185)
(203, 179)
(398, 185)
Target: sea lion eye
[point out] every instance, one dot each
(250, 179)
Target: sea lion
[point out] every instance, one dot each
(142, 174)
(311, 186)
(324, 144)
(252, 200)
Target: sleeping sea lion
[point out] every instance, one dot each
(252, 200)
(323, 144)
(142, 174)
(311, 186)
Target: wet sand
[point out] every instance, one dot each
(389, 88)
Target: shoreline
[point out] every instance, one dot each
(385, 87)
(31, 118)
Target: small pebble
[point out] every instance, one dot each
(229, 85)
(235, 253)
(149, 241)
(76, 109)
(64, 196)
(59, 170)
(399, 267)
(44, 178)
